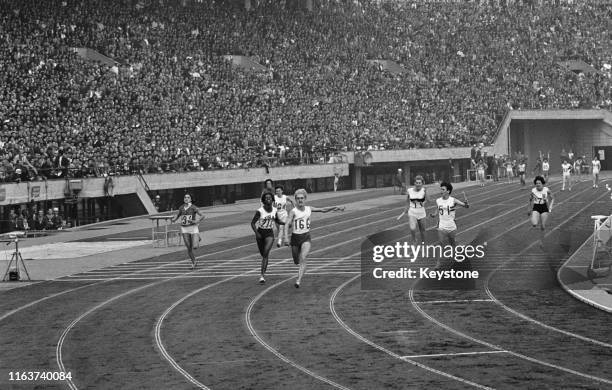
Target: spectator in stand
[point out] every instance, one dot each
(12, 218)
(21, 221)
(56, 220)
(318, 94)
(49, 216)
(157, 203)
(40, 222)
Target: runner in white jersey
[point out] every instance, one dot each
(578, 169)
(282, 204)
(415, 207)
(188, 214)
(595, 168)
(266, 217)
(298, 221)
(540, 203)
(545, 168)
(509, 173)
(480, 172)
(567, 175)
(522, 168)
(446, 214)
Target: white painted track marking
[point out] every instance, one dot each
(497, 347)
(533, 320)
(434, 355)
(339, 320)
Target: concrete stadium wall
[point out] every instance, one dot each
(503, 143)
(600, 134)
(383, 156)
(20, 193)
(239, 176)
(579, 135)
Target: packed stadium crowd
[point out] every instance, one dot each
(172, 102)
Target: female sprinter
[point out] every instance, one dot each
(415, 208)
(447, 205)
(545, 168)
(522, 167)
(567, 175)
(595, 167)
(188, 214)
(540, 203)
(481, 168)
(281, 204)
(299, 222)
(509, 171)
(263, 226)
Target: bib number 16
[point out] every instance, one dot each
(300, 224)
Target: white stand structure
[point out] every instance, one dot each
(161, 234)
(601, 262)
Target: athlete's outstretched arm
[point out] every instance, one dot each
(326, 209)
(290, 201)
(530, 206)
(462, 204)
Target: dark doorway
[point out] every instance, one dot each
(605, 156)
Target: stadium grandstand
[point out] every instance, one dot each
(166, 99)
(147, 87)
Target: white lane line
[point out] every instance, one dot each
(458, 301)
(161, 265)
(339, 320)
(11, 312)
(398, 331)
(456, 332)
(167, 356)
(160, 344)
(533, 320)
(159, 341)
(497, 347)
(282, 357)
(433, 355)
(220, 275)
